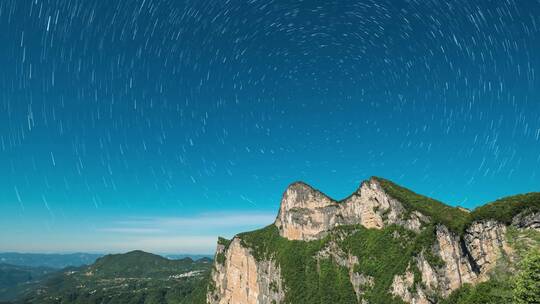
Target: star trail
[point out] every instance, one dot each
(116, 115)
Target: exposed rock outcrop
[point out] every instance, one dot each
(486, 242)
(240, 279)
(404, 288)
(458, 269)
(307, 214)
(527, 221)
(466, 260)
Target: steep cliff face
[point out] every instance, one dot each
(435, 259)
(459, 268)
(486, 243)
(239, 279)
(468, 259)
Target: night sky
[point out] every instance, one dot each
(159, 124)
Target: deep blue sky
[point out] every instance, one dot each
(158, 125)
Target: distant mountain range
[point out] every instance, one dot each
(57, 261)
(16, 280)
(134, 277)
(191, 256)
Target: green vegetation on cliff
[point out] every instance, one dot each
(220, 256)
(527, 283)
(383, 254)
(453, 218)
(312, 278)
(306, 281)
(505, 209)
(492, 292)
(457, 220)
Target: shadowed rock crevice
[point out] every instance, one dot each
(470, 258)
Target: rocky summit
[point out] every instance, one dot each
(382, 244)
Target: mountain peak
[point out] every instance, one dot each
(138, 252)
(301, 191)
(299, 185)
(306, 213)
(297, 204)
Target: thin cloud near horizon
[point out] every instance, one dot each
(196, 234)
(208, 220)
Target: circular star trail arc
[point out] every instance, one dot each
(149, 106)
